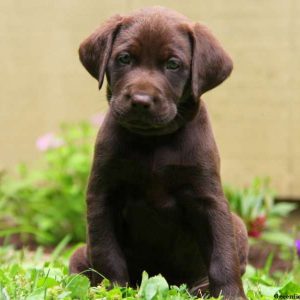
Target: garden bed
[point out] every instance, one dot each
(33, 275)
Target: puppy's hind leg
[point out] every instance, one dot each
(79, 263)
(241, 236)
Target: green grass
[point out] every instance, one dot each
(37, 275)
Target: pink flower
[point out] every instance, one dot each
(48, 141)
(97, 119)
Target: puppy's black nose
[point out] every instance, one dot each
(141, 101)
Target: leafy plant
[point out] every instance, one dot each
(262, 215)
(27, 275)
(48, 202)
(259, 284)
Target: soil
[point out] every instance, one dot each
(258, 255)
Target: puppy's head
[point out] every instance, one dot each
(158, 64)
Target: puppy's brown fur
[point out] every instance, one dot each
(155, 200)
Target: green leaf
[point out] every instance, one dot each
(283, 209)
(145, 278)
(64, 295)
(155, 286)
(78, 286)
(278, 238)
(15, 269)
(290, 288)
(250, 271)
(47, 282)
(150, 291)
(38, 294)
(268, 290)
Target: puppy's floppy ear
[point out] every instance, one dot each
(95, 51)
(211, 65)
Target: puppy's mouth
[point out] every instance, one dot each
(143, 123)
(142, 119)
(138, 124)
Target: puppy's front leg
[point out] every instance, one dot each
(212, 222)
(221, 253)
(104, 252)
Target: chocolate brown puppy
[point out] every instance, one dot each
(154, 199)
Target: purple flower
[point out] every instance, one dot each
(97, 119)
(297, 244)
(48, 141)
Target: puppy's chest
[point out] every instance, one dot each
(153, 182)
(150, 199)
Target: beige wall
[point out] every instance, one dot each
(256, 113)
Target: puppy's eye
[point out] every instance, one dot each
(173, 64)
(124, 58)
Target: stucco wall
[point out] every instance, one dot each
(255, 114)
